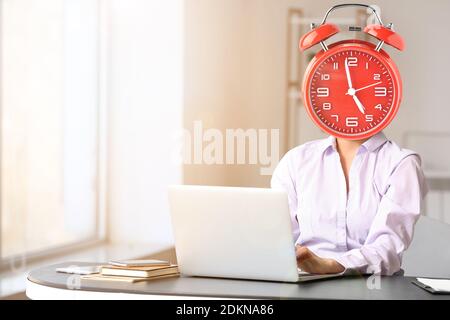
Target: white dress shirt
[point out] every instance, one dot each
(367, 229)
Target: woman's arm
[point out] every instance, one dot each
(283, 179)
(392, 229)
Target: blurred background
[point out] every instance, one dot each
(93, 94)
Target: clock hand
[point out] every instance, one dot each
(352, 91)
(347, 74)
(370, 85)
(358, 104)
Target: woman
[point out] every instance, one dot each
(353, 204)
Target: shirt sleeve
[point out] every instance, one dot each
(392, 229)
(283, 179)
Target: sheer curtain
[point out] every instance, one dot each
(49, 103)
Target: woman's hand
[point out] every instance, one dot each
(309, 262)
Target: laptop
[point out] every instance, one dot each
(241, 233)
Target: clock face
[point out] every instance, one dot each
(352, 92)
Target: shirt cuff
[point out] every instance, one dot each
(351, 263)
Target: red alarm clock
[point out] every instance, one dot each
(352, 89)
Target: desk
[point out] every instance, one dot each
(46, 283)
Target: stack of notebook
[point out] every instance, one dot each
(137, 272)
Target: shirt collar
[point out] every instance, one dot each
(327, 143)
(373, 143)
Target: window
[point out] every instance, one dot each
(49, 111)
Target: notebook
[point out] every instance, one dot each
(100, 277)
(139, 263)
(435, 286)
(139, 272)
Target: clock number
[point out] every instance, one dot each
(325, 76)
(335, 116)
(323, 92)
(369, 117)
(326, 106)
(352, 61)
(376, 76)
(380, 91)
(378, 106)
(367, 65)
(335, 65)
(351, 121)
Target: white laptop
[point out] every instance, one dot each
(229, 232)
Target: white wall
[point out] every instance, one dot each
(234, 76)
(145, 106)
(216, 73)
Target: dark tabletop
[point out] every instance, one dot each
(355, 287)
